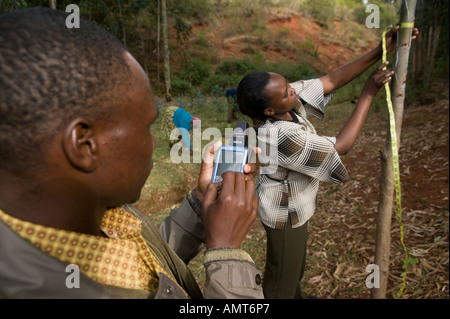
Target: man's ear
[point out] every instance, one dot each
(79, 144)
(269, 111)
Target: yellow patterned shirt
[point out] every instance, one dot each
(122, 260)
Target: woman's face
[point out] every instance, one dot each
(282, 97)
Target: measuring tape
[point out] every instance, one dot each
(396, 166)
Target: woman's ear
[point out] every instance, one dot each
(79, 145)
(269, 111)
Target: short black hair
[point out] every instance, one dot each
(251, 95)
(50, 73)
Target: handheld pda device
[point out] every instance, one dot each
(232, 157)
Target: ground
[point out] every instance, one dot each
(343, 232)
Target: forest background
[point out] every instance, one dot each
(212, 44)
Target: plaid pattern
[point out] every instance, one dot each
(296, 160)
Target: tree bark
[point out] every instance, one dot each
(434, 39)
(158, 39)
(144, 51)
(166, 50)
(387, 186)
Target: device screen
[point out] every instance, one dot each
(229, 161)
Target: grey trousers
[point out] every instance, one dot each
(285, 263)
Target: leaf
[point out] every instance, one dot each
(339, 269)
(315, 280)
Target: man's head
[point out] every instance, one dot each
(73, 103)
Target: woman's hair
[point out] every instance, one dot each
(251, 95)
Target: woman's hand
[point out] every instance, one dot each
(349, 133)
(377, 79)
(391, 38)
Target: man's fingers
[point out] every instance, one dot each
(255, 202)
(249, 168)
(210, 194)
(210, 151)
(228, 183)
(249, 189)
(239, 185)
(207, 168)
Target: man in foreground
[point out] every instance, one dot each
(75, 150)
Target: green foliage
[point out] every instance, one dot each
(228, 74)
(200, 10)
(308, 46)
(11, 5)
(134, 22)
(219, 82)
(321, 10)
(232, 67)
(294, 72)
(349, 3)
(283, 32)
(352, 90)
(202, 40)
(184, 29)
(389, 15)
(430, 16)
(196, 72)
(180, 86)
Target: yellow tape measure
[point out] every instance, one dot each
(407, 25)
(394, 145)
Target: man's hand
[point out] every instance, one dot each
(229, 209)
(207, 169)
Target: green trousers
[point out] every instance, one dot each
(285, 263)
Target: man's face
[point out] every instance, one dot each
(127, 145)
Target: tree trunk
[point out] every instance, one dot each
(144, 51)
(385, 206)
(121, 23)
(434, 39)
(166, 50)
(52, 4)
(416, 60)
(158, 39)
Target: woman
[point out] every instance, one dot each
(289, 181)
(177, 118)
